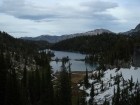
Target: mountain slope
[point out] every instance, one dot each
(128, 85)
(133, 32)
(54, 39)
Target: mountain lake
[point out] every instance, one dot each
(75, 61)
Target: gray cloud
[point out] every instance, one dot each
(18, 32)
(22, 10)
(99, 6)
(37, 18)
(66, 18)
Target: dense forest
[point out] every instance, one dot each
(25, 74)
(26, 77)
(106, 48)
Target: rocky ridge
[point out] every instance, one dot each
(54, 38)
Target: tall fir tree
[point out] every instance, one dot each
(65, 86)
(3, 75)
(86, 83)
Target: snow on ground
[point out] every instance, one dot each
(109, 80)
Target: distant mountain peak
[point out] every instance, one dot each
(138, 26)
(133, 32)
(54, 39)
(98, 31)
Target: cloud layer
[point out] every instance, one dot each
(63, 17)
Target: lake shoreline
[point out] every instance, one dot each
(76, 60)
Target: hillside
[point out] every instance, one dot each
(21, 65)
(133, 32)
(27, 79)
(113, 87)
(54, 39)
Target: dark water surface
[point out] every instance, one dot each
(76, 65)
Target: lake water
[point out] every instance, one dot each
(76, 65)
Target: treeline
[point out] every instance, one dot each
(106, 48)
(26, 76)
(33, 87)
(9, 43)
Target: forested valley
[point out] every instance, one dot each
(26, 77)
(106, 48)
(25, 74)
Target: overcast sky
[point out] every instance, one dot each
(32, 18)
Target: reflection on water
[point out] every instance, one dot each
(76, 65)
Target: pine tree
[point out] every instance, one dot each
(102, 86)
(25, 77)
(65, 89)
(16, 91)
(31, 87)
(117, 96)
(86, 83)
(13, 96)
(92, 91)
(8, 95)
(57, 97)
(83, 98)
(137, 97)
(37, 85)
(3, 76)
(47, 86)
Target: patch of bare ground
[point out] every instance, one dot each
(76, 78)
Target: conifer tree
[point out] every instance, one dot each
(16, 91)
(3, 75)
(102, 85)
(65, 85)
(31, 87)
(86, 83)
(92, 91)
(83, 98)
(57, 97)
(117, 96)
(25, 76)
(47, 93)
(37, 85)
(13, 96)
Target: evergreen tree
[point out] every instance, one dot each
(37, 85)
(47, 86)
(25, 76)
(31, 87)
(13, 96)
(117, 96)
(86, 83)
(57, 97)
(92, 91)
(83, 98)
(3, 75)
(65, 85)
(102, 86)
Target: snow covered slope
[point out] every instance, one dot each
(110, 78)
